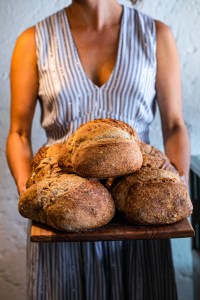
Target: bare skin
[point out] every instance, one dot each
(168, 85)
(100, 28)
(98, 22)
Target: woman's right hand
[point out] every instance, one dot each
(21, 189)
(21, 183)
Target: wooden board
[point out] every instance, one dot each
(117, 229)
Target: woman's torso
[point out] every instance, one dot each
(69, 98)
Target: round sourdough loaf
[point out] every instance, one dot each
(45, 164)
(153, 195)
(102, 148)
(68, 202)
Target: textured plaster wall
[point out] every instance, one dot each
(15, 16)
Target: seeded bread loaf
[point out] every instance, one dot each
(68, 202)
(153, 195)
(102, 148)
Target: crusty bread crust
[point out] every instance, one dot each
(68, 202)
(154, 158)
(163, 201)
(102, 148)
(148, 191)
(153, 195)
(108, 159)
(45, 164)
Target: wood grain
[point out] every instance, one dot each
(117, 229)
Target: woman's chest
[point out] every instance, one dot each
(97, 52)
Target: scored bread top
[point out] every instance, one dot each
(101, 130)
(154, 158)
(44, 164)
(46, 152)
(111, 128)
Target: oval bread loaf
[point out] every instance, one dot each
(68, 202)
(102, 148)
(153, 195)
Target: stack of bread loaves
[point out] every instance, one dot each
(64, 191)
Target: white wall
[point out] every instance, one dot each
(17, 15)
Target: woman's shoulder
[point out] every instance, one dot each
(162, 28)
(27, 37)
(141, 20)
(146, 19)
(51, 17)
(26, 40)
(164, 34)
(140, 15)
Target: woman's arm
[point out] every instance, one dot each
(168, 85)
(24, 89)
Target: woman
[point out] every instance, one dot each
(97, 59)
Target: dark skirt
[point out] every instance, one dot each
(122, 270)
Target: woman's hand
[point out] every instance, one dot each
(21, 184)
(21, 189)
(185, 179)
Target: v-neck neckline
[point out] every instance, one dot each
(79, 64)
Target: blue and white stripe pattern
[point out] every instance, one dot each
(115, 270)
(69, 98)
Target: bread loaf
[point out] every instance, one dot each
(45, 164)
(154, 158)
(153, 195)
(102, 148)
(68, 202)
